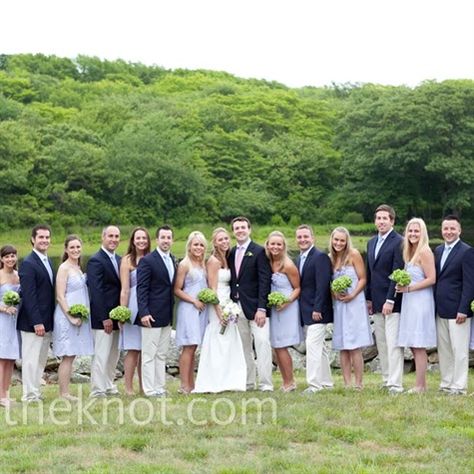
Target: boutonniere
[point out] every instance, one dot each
(248, 254)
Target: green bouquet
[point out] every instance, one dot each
(79, 311)
(121, 314)
(341, 284)
(11, 298)
(208, 296)
(472, 305)
(275, 298)
(401, 277)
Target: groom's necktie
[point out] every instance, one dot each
(239, 256)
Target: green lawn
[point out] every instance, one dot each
(331, 432)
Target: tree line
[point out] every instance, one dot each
(86, 141)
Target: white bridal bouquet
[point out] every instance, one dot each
(230, 314)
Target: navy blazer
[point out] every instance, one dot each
(155, 293)
(390, 257)
(316, 287)
(37, 295)
(253, 284)
(454, 288)
(104, 288)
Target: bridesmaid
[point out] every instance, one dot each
(130, 334)
(417, 316)
(190, 313)
(9, 336)
(351, 318)
(71, 336)
(285, 326)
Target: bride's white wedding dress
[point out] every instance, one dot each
(222, 362)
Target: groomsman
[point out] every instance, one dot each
(155, 281)
(36, 313)
(103, 280)
(250, 285)
(454, 292)
(384, 255)
(315, 308)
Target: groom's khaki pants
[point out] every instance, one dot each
(34, 351)
(261, 337)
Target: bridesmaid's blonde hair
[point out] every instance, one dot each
(188, 262)
(346, 255)
(277, 233)
(411, 254)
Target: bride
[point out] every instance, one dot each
(222, 362)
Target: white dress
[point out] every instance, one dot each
(222, 362)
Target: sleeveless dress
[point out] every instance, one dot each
(417, 316)
(190, 323)
(351, 320)
(222, 363)
(130, 335)
(9, 336)
(471, 344)
(70, 340)
(285, 326)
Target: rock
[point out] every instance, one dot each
(374, 366)
(407, 354)
(433, 358)
(369, 353)
(80, 378)
(433, 367)
(301, 347)
(299, 360)
(82, 365)
(408, 366)
(172, 358)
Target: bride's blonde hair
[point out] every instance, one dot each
(221, 256)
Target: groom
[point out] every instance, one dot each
(250, 285)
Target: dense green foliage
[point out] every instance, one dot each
(88, 142)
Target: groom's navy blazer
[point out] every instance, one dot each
(316, 287)
(104, 288)
(155, 294)
(389, 258)
(454, 288)
(37, 295)
(252, 286)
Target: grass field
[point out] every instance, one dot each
(337, 431)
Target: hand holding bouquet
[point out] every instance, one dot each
(401, 277)
(208, 296)
(277, 299)
(11, 298)
(79, 311)
(230, 314)
(341, 284)
(121, 314)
